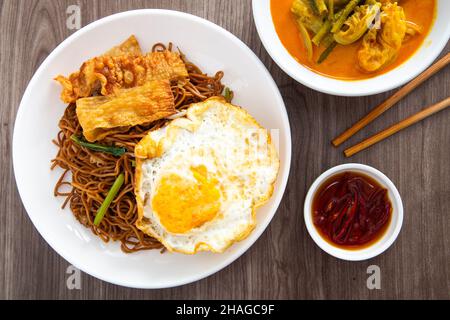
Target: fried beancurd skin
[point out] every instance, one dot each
(127, 108)
(129, 46)
(380, 47)
(107, 74)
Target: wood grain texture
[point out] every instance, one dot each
(284, 263)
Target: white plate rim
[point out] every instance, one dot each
(277, 197)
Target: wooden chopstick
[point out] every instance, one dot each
(392, 100)
(397, 127)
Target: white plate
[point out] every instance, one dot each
(204, 43)
(425, 55)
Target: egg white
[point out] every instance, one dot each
(235, 150)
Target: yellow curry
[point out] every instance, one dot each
(352, 39)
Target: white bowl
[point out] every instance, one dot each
(382, 244)
(204, 43)
(425, 55)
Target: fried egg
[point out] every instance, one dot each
(200, 178)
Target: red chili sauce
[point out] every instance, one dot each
(351, 210)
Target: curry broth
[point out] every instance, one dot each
(342, 62)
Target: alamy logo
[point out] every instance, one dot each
(74, 279)
(374, 23)
(374, 280)
(73, 21)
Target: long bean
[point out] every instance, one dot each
(109, 198)
(337, 25)
(321, 7)
(330, 10)
(327, 40)
(326, 52)
(323, 31)
(313, 6)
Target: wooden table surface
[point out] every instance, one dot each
(284, 263)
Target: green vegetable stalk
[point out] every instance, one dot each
(330, 10)
(343, 16)
(115, 151)
(109, 198)
(323, 31)
(321, 7)
(326, 52)
(313, 6)
(228, 94)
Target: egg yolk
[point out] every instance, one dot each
(182, 204)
